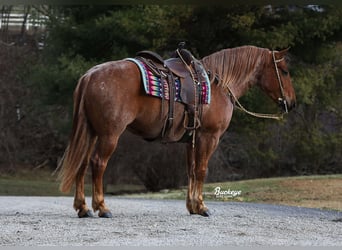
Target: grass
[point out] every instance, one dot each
(29, 182)
(323, 192)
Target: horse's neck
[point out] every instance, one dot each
(238, 85)
(239, 88)
(243, 82)
(239, 77)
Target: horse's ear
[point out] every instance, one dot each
(283, 52)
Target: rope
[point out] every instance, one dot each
(259, 115)
(196, 98)
(282, 99)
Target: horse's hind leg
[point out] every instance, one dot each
(79, 200)
(104, 149)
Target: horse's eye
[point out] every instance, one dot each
(285, 73)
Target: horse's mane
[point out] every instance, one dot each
(234, 65)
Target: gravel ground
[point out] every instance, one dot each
(51, 221)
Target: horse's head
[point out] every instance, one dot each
(276, 82)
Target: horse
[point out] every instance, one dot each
(109, 98)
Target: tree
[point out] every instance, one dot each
(307, 142)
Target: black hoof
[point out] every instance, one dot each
(87, 214)
(106, 215)
(206, 213)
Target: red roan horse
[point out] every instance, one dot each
(110, 98)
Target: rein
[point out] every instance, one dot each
(259, 115)
(281, 99)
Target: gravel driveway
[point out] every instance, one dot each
(37, 221)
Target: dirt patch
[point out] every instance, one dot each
(324, 193)
(314, 193)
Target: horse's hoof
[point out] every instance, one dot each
(106, 215)
(87, 214)
(206, 213)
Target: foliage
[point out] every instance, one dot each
(307, 142)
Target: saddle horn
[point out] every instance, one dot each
(184, 54)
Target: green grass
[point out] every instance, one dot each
(28, 187)
(28, 182)
(247, 188)
(310, 191)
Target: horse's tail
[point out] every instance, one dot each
(81, 141)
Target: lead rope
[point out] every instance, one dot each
(259, 115)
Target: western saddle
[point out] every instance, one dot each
(184, 66)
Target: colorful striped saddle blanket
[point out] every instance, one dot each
(156, 86)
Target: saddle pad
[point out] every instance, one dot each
(154, 85)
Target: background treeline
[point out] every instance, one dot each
(38, 81)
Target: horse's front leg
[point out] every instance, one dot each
(198, 158)
(191, 177)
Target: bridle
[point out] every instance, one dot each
(282, 100)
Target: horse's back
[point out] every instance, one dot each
(115, 98)
(109, 91)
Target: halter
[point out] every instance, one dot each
(281, 99)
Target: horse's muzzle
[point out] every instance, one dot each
(285, 105)
(292, 105)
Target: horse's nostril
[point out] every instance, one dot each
(292, 105)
